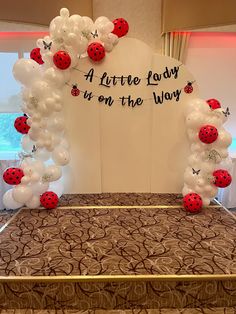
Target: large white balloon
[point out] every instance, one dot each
(26, 71)
(9, 202)
(60, 156)
(52, 173)
(34, 202)
(22, 193)
(39, 187)
(27, 144)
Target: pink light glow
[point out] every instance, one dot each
(17, 35)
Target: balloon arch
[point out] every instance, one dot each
(37, 181)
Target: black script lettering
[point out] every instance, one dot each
(108, 100)
(89, 75)
(131, 102)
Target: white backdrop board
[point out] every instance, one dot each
(120, 148)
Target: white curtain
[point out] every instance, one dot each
(175, 44)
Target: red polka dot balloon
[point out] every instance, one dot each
(121, 27)
(96, 51)
(222, 178)
(213, 103)
(192, 203)
(36, 55)
(62, 60)
(13, 176)
(21, 125)
(49, 200)
(208, 134)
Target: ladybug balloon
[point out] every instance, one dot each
(21, 125)
(121, 27)
(75, 91)
(208, 134)
(62, 60)
(192, 203)
(188, 88)
(13, 176)
(36, 55)
(96, 51)
(213, 103)
(49, 200)
(222, 178)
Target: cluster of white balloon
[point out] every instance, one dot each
(208, 163)
(45, 148)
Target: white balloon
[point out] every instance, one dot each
(27, 144)
(52, 173)
(34, 202)
(26, 71)
(60, 156)
(56, 123)
(22, 193)
(25, 179)
(42, 154)
(64, 12)
(9, 202)
(39, 188)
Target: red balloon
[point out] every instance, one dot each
(62, 60)
(21, 125)
(36, 55)
(208, 134)
(222, 178)
(192, 203)
(96, 51)
(49, 200)
(121, 27)
(213, 103)
(13, 176)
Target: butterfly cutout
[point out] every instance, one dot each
(196, 171)
(46, 45)
(95, 34)
(226, 113)
(34, 149)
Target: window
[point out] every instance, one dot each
(13, 45)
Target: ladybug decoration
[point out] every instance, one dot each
(75, 91)
(121, 27)
(62, 60)
(222, 178)
(213, 103)
(192, 203)
(36, 55)
(21, 125)
(49, 200)
(208, 134)
(13, 176)
(188, 88)
(96, 51)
